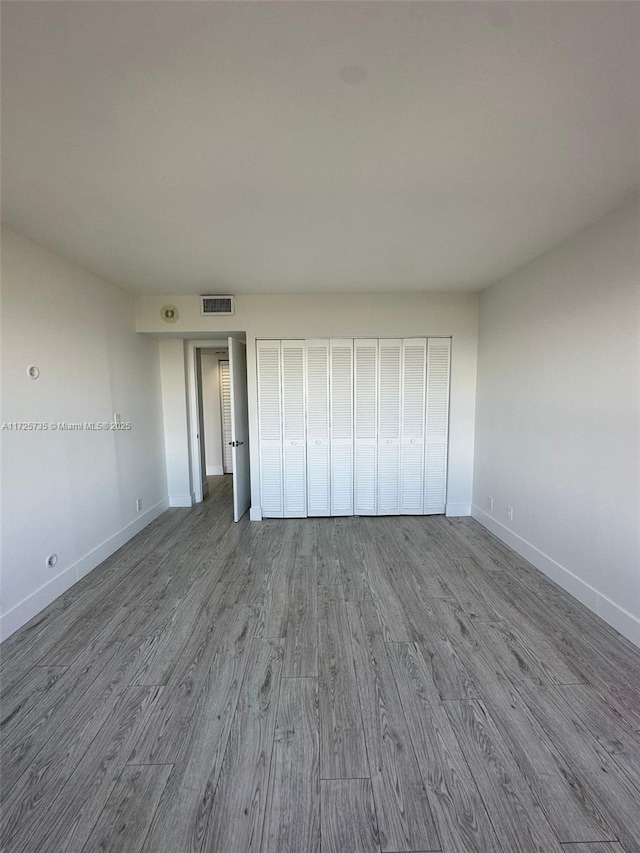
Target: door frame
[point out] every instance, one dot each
(196, 440)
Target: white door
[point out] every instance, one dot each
(438, 368)
(353, 426)
(414, 363)
(239, 428)
(293, 430)
(318, 470)
(389, 391)
(204, 485)
(225, 410)
(270, 428)
(365, 399)
(341, 429)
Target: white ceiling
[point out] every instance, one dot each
(315, 146)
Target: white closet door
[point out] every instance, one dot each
(365, 374)
(414, 362)
(438, 368)
(341, 420)
(318, 473)
(293, 430)
(225, 406)
(270, 428)
(389, 388)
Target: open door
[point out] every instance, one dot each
(239, 428)
(203, 489)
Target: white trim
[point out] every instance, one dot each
(214, 470)
(619, 618)
(255, 513)
(180, 500)
(455, 510)
(30, 606)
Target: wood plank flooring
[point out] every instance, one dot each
(391, 685)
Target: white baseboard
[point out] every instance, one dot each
(454, 510)
(26, 609)
(619, 618)
(180, 500)
(214, 470)
(255, 513)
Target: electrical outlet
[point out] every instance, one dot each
(139, 504)
(490, 504)
(510, 513)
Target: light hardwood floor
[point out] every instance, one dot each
(318, 686)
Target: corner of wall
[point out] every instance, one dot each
(30, 606)
(619, 618)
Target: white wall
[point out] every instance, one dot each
(173, 374)
(557, 415)
(68, 492)
(211, 411)
(346, 315)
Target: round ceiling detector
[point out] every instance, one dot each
(169, 313)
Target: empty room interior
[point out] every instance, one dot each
(320, 427)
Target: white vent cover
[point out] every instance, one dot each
(216, 305)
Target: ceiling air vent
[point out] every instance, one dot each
(216, 305)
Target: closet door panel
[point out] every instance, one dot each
(365, 369)
(318, 455)
(270, 428)
(414, 362)
(437, 424)
(341, 429)
(293, 429)
(225, 408)
(389, 418)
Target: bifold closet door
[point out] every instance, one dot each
(414, 366)
(341, 425)
(365, 403)
(293, 429)
(389, 415)
(270, 428)
(318, 464)
(353, 426)
(437, 424)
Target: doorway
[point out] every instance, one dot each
(218, 410)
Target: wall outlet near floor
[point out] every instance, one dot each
(138, 504)
(510, 513)
(490, 504)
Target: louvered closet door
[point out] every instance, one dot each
(318, 472)
(293, 429)
(414, 363)
(225, 404)
(389, 374)
(270, 428)
(365, 398)
(341, 426)
(437, 423)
